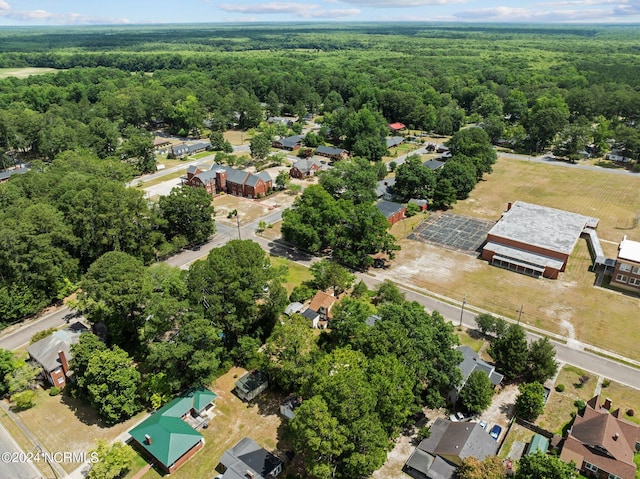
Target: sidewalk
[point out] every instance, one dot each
(59, 472)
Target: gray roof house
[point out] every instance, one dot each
(439, 455)
(53, 354)
(332, 152)
(395, 141)
(305, 167)
(251, 385)
(433, 165)
(471, 362)
(289, 143)
(248, 460)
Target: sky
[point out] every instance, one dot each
(104, 12)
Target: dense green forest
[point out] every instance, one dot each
(570, 89)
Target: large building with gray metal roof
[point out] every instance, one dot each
(535, 240)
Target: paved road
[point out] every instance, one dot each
(548, 160)
(12, 468)
(567, 351)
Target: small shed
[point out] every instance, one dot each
(538, 443)
(251, 385)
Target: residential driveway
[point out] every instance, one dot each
(501, 409)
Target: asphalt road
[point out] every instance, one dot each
(10, 454)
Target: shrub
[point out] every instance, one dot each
(606, 383)
(560, 388)
(423, 433)
(54, 391)
(630, 412)
(24, 400)
(42, 334)
(580, 405)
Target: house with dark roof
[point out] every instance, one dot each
(247, 460)
(433, 165)
(229, 180)
(332, 152)
(471, 362)
(394, 141)
(313, 316)
(186, 149)
(170, 434)
(53, 354)
(535, 240)
(305, 168)
(385, 189)
(602, 443)
(393, 212)
(439, 455)
(290, 143)
(249, 386)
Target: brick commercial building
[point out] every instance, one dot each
(535, 240)
(224, 179)
(626, 273)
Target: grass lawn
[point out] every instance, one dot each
(516, 433)
(559, 408)
(237, 137)
(63, 424)
(234, 420)
(162, 179)
(25, 72)
(403, 228)
(296, 275)
(466, 340)
(625, 398)
(614, 199)
(25, 444)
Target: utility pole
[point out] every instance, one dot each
(520, 312)
(464, 301)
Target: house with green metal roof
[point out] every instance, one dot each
(170, 434)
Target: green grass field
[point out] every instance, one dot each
(24, 72)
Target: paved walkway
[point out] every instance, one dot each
(57, 468)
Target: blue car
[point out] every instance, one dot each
(495, 432)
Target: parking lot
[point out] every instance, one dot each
(455, 232)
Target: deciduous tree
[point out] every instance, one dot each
(530, 401)
(477, 392)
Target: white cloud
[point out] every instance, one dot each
(43, 16)
(401, 3)
(512, 14)
(288, 8)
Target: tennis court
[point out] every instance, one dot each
(456, 232)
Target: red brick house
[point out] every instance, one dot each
(626, 273)
(332, 152)
(170, 435)
(393, 212)
(601, 443)
(535, 240)
(305, 168)
(229, 180)
(53, 354)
